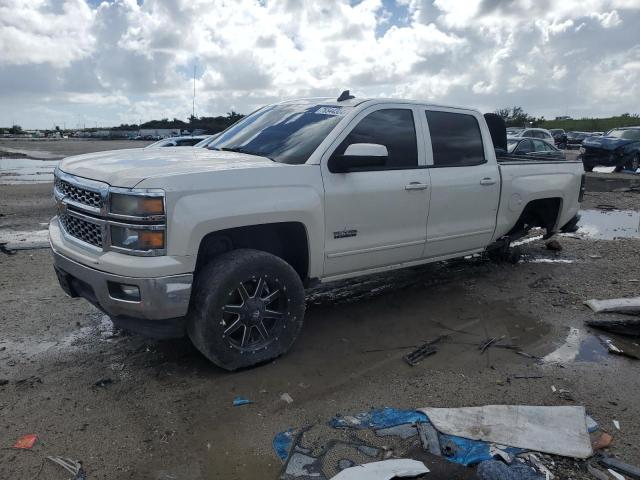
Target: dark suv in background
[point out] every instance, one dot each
(618, 148)
(559, 137)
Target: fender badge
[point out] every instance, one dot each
(345, 234)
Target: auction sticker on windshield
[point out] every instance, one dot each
(330, 111)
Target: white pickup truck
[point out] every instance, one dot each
(220, 243)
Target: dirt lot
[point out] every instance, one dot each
(163, 412)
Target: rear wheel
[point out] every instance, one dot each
(248, 307)
(634, 163)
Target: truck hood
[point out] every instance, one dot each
(127, 168)
(606, 143)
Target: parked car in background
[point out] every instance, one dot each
(207, 141)
(533, 147)
(574, 139)
(559, 137)
(540, 133)
(618, 148)
(511, 131)
(186, 141)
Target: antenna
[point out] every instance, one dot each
(345, 96)
(193, 106)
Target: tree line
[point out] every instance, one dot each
(517, 117)
(205, 124)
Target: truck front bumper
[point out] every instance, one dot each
(154, 307)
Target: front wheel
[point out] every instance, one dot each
(248, 308)
(634, 163)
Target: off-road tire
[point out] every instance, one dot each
(218, 283)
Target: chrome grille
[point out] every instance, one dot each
(82, 230)
(79, 195)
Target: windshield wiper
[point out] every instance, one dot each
(242, 150)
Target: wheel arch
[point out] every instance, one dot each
(541, 212)
(286, 240)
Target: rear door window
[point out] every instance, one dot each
(395, 129)
(455, 139)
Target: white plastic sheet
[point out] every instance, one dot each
(556, 430)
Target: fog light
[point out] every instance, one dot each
(120, 291)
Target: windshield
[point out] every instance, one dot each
(631, 134)
(511, 145)
(285, 133)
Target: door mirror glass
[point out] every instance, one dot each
(357, 156)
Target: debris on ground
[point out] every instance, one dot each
(239, 401)
(490, 341)
(285, 397)
(598, 474)
(556, 430)
(615, 349)
(592, 425)
(620, 467)
(423, 351)
(26, 442)
(385, 470)
(540, 466)
(103, 382)
(615, 474)
(616, 424)
(603, 441)
(624, 326)
(554, 245)
(3, 382)
(28, 381)
(5, 250)
(502, 441)
(71, 466)
(622, 305)
(497, 470)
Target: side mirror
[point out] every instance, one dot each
(359, 155)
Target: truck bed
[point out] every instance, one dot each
(526, 179)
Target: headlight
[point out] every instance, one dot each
(139, 239)
(137, 205)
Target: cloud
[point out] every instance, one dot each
(37, 32)
(126, 61)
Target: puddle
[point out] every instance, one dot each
(34, 154)
(579, 346)
(14, 171)
(608, 225)
(24, 239)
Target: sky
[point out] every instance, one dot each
(102, 63)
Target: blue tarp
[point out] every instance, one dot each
(282, 444)
(459, 450)
(380, 418)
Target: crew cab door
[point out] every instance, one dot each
(465, 182)
(376, 216)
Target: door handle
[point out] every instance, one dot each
(487, 181)
(416, 186)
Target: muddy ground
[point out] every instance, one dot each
(163, 412)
